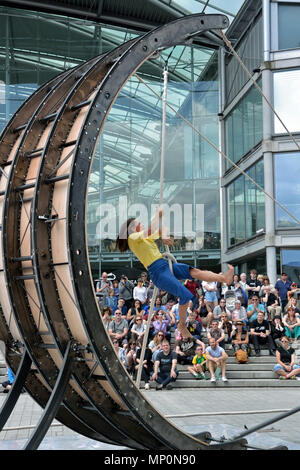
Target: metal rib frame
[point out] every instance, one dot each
(15, 272)
(15, 353)
(48, 283)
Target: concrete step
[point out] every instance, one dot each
(233, 383)
(236, 374)
(265, 359)
(250, 367)
(264, 362)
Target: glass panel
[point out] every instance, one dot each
(238, 143)
(207, 194)
(243, 126)
(213, 6)
(287, 104)
(231, 214)
(288, 26)
(246, 205)
(239, 202)
(248, 119)
(287, 188)
(290, 261)
(257, 122)
(229, 140)
(260, 196)
(250, 206)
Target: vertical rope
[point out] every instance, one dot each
(162, 172)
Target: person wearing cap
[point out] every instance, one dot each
(239, 336)
(239, 312)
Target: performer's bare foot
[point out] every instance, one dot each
(229, 275)
(184, 331)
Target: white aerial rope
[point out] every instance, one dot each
(168, 254)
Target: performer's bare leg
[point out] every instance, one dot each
(181, 324)
(207, 276)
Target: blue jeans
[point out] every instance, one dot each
(165, 378)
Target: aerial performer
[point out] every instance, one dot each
(141, 241)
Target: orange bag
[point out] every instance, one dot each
(241, 356)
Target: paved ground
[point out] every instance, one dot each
(178, 402)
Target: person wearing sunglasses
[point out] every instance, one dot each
(156, 344)
(118, 327)
(162, 323)
(286, 367)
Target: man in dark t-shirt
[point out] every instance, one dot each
(253, 284)
(165, 367)
(186, 349)
(260, 334)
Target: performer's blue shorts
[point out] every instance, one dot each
(162, 278)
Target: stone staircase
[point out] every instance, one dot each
(258, 372)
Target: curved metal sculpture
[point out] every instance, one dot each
(49, 317)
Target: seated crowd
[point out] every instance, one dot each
(250, 310)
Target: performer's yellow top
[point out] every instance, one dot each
(144, 248)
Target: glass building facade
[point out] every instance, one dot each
(37, 46)
(246, 205)
(243, 126)
(128, 172)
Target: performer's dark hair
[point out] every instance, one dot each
(125, 231)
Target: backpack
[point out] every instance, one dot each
(241, 356)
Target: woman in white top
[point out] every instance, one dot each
(140, 292)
